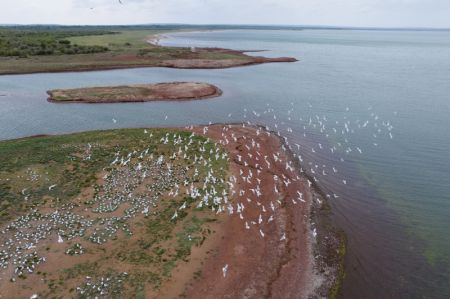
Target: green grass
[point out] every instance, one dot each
(124, 39)
(24, 43)
(162, 243)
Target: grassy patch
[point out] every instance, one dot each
(120, 226)
(31, 42)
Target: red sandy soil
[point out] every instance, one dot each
(178, 91)
(258, 267)
(221, 63)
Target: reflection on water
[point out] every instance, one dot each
(395, 201)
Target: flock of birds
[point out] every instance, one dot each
(328, 136)
(120, 2)
(21, 239)
(320, 136)
(323, 136)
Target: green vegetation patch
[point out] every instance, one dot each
(28, 42)
(121, 207)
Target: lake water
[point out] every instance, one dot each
(384, 93)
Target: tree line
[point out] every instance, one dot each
(24, 43)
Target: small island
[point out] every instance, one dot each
(178, 91)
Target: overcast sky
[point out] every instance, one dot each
(372, 13)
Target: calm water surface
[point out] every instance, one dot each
(395, 205)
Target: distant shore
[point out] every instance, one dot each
(203, 58)
(134, 52)
(174, 91)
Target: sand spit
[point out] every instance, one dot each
(174, 91)
(154, 56)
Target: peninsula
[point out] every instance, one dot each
(31, 49)
(197, 212)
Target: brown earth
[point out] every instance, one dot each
(221, 63)
(178, 91)
(258, 267)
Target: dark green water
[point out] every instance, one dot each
(395, 205)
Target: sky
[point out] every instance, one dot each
(359, 13)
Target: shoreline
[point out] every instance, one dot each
(330, 243)
(156, 38)
(311, 263)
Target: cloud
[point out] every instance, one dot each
(388, 13)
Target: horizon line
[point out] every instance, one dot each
(296, 26)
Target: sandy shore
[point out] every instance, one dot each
(173, 91)
(277, 258)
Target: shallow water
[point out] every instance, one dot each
(395, 205)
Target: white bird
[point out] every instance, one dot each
(224, 270)
(145, 211)
(51, 187)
